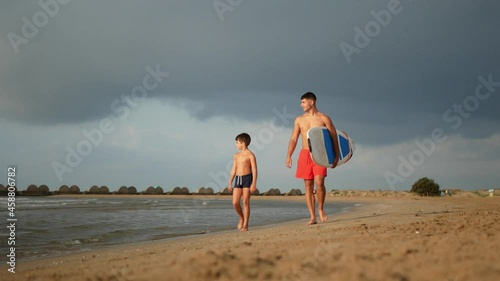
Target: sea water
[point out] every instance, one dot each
(50, 226)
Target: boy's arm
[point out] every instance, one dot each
(333, 134)
(253, 163)
(231, 175)
(293, 142)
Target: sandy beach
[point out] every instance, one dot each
(389, 236)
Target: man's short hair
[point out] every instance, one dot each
(309, 96)
(244, 137)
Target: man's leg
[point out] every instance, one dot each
(309, 186)
(321, 193)
(237, 192)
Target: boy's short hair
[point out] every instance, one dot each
(309, 96)
(244, 137)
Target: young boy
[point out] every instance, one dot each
(244, 172)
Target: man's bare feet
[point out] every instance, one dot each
(240, 224)
(311, 222)
(323, 216)
(243, 229)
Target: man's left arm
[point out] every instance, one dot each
(333, 134)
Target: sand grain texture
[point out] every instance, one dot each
(387, 238)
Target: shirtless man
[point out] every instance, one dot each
(244, 173)
(306, 168)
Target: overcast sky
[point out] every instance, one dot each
(142, 93)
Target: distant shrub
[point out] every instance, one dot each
(122, 190)
(94, 189)
(159, 190)
(132, 190)
(177, 190)
(150, 190)
(426, 187)
(103, 190)
(32, 188)
(43, 188)
(63, 189)
(74, 189)
(273, 191)
(294, 192)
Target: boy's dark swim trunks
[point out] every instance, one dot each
(243, 181)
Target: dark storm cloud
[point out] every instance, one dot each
(264, 55)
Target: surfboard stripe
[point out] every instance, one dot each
(328, 145)
(341, 140)
(344, 146)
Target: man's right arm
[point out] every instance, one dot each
(293, 142)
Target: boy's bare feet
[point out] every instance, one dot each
(243, 229)
(311, 222)
(323, 216)
(240, 224)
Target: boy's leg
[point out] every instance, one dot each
(309, 186)
(237, 192)
(321, 193)
(246, 208)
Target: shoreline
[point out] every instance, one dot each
(386, 238)
(176, 239)
(176, 196)
(295, 199)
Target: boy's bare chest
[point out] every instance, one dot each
(242, 158)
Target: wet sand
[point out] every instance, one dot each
(390, 236)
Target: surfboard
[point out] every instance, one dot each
(322, 150)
